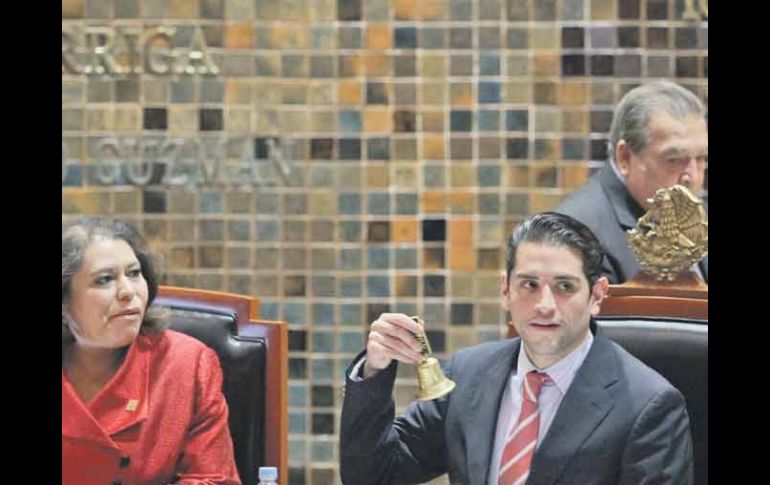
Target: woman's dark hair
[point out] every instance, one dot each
(75, 239)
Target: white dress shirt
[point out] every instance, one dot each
(561, 373)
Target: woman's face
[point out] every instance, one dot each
(108, 297)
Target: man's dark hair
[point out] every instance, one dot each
(557, 230)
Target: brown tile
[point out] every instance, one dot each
(573, 176)
(462, 203)
(266, 285)
(377, 175)
(182, 258)
(433, 147)
(406, 285)
(239, 35)
(378, 120)
(125, 202)
(403, 231)
(433, 258)
(379, 36)
(461, 94)
(433, 9)
(72, 9)
(237, 91)
(349, 92)
(460, 285)
(545, 176)
(575, 120)
(546, 64)
(462, 175)
(517, 92)
(404, 175)
(433, 66)
(433, 94)
(183, 9)
(432, 121)
(462, 253)
(517, 176)
(378, 64)
(541, 202)
(573, 93)
(406, 10)
(604, 10)
(547, 119)
(433, 201)
(489, 259)
(84, 201)
(350, 65)
(323, 203)
(405, 150)
(546, 37)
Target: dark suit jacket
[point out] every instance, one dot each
(619, 423)
(605, 206)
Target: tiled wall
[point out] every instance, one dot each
(413, 134)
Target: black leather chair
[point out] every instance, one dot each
(678, 350)
(253, 354)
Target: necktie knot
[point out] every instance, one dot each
(533, 384)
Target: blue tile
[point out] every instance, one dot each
(489, 120)
(406, 258)
(433, 176)
(405, 37)
(489, 204)
(434, 313)
(267, 230)
(377, 286)
(433, 38)
(350, 258)
(351, 341)
(350, 231)
(322, 451)
(406, 204)
(378, 204)
(210, 202)
(298, 395)
(349, 121)
(350, 287)
(350, 313)
(323, 314)
(323, 342)
(349, 203)
(406, 308)
(297, 422)
(322, 368)
(489, 175)
(489, 64)
(489, 92)
(74, 175)
(573, 149)
(297, 450)
(238, 230)
(516, 120)
(268, 310)
(378, 258)
(460, 120)
(295, 312)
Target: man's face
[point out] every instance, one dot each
(675, 153)
(550, 301)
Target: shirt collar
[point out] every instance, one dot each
(563, 371)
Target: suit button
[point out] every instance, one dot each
(125, 460)
(117, 482)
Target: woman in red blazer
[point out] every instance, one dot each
(140, 404)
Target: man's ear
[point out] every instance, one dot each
(504, 292)
(598, 293)
(623, 158)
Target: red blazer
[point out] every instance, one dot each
(162, 418)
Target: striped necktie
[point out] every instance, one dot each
(521, 442)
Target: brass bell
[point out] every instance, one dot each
(431, 381)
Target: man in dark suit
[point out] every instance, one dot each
(560, 404)
(658, 138)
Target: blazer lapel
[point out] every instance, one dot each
(585, 405)
(483, 409)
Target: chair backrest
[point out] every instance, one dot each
(254, 358)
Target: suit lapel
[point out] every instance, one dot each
(584, 406)
(483, 409)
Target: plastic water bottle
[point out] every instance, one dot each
(268, 475)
